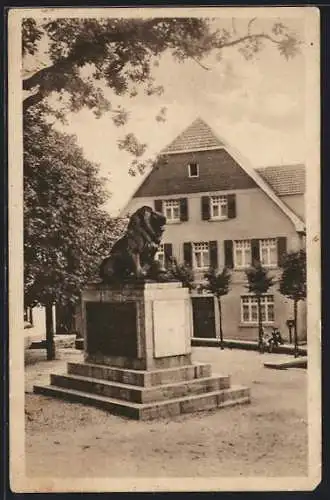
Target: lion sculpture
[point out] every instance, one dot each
(132, 256)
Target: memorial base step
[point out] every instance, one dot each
(149, 411)
(144, 378)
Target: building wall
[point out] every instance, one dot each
(256, 217)
(231, 314)
(297, 203)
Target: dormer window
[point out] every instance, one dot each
(193, 170)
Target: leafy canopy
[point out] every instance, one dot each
(258, 279)
(217, 283)
(293, 281)
(83, 59)
(66, 232)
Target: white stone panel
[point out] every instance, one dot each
(171, 328)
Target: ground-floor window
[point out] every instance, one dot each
(249, 309)
(160, 256)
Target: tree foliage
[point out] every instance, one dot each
(87, 56)
(258, 279)
(66, 232)
(217, 283)
(259, 283)
(293, 284)
(293, 281)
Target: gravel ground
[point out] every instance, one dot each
(267, 438)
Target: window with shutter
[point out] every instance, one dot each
(205, 207)
(218, 207)
(171, 210)
(201, 255)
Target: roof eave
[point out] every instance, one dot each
(196, 150)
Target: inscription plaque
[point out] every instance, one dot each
(112, 328)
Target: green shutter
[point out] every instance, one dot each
(229, 257)
(255, 252)
(205, 207)
(213, 247)
(187, 254)
(231, 199)
(183, 209)
(281, 250)
(158, 205)
(168, 253)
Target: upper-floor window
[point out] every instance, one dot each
(172, 210)
(249, 309)
(175, 210)
(242, 253)
(268, 252)
(201, 255)
(193, 170)
(219, 207)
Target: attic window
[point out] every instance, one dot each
(193, 170)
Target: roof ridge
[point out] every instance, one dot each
(198, 136)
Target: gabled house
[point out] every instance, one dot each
(222, 212)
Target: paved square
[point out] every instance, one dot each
(266, 438)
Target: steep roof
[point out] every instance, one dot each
(285, 179)
(197, 137)
(209, 141)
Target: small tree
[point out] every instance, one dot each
(259, 283)
(173, 272)
(293, 284)
(218, 284)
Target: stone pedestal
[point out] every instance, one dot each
(141, 326)
(138, 356)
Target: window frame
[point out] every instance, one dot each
(267, 301)
(268, 264)
(200, 251)
(189, 170)
(218, 217)
(245, 264)
(161, 252)
(166, 205)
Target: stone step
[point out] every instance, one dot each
(141, 394)
(149, 411)
(141, 378)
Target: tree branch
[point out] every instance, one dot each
(242, 39)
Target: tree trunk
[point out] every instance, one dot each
(50, 344)
(295, 331)
(220, 323)
(260, 341)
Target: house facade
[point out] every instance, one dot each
(222, 212)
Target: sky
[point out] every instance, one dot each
(257, 106)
